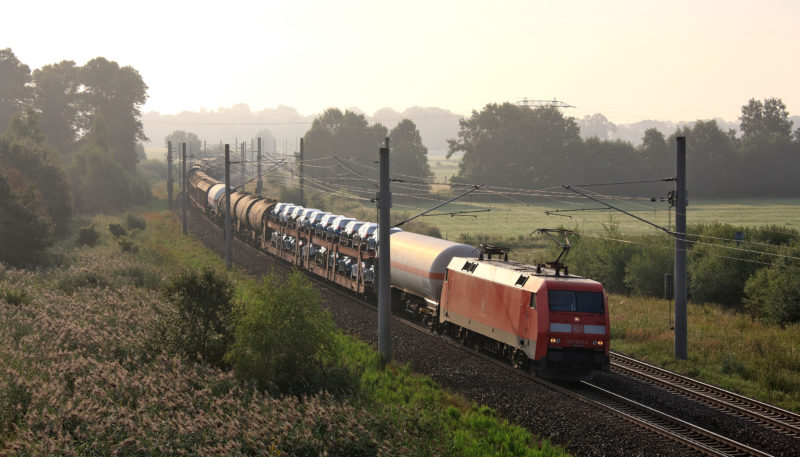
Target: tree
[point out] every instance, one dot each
(15, 92)
(409, 157)
(768, 118)
(32, 169)
(267, 142)
(99, 183)
(711, 160)
(339, 145)
(193, 143)
(607, 160)
(656, 153)
(25, 124)
(770, 157)
(598, 126)
(117, 93)
(516, 146)
(24, 233)
(56, 90)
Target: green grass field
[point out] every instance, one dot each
(513, 219)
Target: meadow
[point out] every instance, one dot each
(83, 371)
(727, 349)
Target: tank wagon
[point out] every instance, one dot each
(540, 319)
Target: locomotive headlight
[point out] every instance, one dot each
(555, 340)
(598, 343)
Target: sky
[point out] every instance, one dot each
(629, 60)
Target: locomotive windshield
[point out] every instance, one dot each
(575, 301)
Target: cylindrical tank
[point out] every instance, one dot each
(243, 206)
(215, 194)
(419, 262)
(258, 214)
(235, 197)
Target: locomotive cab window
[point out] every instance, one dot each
(574, 301)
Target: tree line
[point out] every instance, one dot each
(508, 145)
(71, 141)
(516, 146)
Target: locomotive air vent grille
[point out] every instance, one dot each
(521, 281)
(466, 266)
(473, 267)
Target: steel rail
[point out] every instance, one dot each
(774, 418)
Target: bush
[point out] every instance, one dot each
(716, 279)
(200, 328)
(774, 294)
(134, 222)
(14, 296)
(153, 170)
(283, 335)
(128, 246)
(603, 259)
(644, 274)
(85, 279)
(87, 236)
(117, 230)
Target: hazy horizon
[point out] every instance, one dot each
(630, 60)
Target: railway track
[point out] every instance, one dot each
(693, 438)
(771, 417)
(690, 435)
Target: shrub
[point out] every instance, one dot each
(134, 222)
(644, 274)
(71, 283)
(283, 335)
(14, 296)
(203, 304)
(117, 230)
(774, 294)
(128, 246)
(603, 259)
(716, 279)
(87, 236)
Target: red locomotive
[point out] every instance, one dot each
(540, 318)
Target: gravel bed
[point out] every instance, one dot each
(737, 428)
(583, 430)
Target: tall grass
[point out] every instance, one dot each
(82, 371)
(727, 349)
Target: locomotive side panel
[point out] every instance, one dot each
(497, 311)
